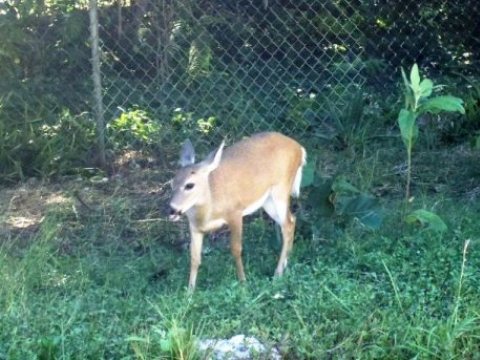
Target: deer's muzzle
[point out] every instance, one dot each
(174, 214)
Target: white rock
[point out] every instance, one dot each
(238, 347)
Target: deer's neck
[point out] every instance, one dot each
(201, 216)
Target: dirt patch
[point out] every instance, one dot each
(23, 207)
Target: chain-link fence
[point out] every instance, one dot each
(236, 67)
(231, 67)
(214, 68)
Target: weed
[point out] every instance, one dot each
(460, 283)
(418, 102)
(352, 129)
(45, 149)
(133, 128)
(170, 340)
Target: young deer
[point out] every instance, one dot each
(260, 171)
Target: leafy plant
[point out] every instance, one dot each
(177, 343)
(417, 94)
(45, 147)
(184, 122)
(133, 127)
(345, 127)
(352, 203)
(471, 126)
(350, 127)
(200, 56)
(427, 219)
(303, 108)
(169, 341)
(340, 199)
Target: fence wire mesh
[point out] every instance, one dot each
(211, 69)
(231, 67)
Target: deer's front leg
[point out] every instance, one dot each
(236, 228)
(196, 242)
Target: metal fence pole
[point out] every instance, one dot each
(97, 83)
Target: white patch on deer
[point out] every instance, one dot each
(276, 209)
(256, 205)
(298, 176)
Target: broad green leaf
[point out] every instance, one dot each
(426, 87)
(327, 198)
(363, 207)
(318, 197)
(443, 103)
(408, 127)
(415, 78)
(354, 205)
(342, 186)
(373, 219)
(308, 174)
(427, 218)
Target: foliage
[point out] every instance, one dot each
(469, 127)
(437, 38)
(427, 218)
(44, 127)
(417, 94)
(351, 125)
(351, 202)
(176, 343)
(39, 149)
(184, 123)
(133, 128)
(337, 200)
(234, 68)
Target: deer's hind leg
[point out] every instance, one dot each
(277, 207)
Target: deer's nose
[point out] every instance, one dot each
(173, 213)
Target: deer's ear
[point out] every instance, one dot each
(213, 160)
(187, 155)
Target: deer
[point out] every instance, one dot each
(261, 171)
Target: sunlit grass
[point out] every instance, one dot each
(86, 287)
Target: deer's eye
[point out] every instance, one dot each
(189, 186)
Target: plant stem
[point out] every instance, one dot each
(409, 172)
(460, 282)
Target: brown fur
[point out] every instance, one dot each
(265, 163)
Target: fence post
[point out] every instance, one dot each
(97, 83)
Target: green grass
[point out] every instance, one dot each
(104, 285)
